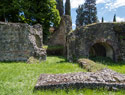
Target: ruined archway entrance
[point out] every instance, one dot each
(101, 49)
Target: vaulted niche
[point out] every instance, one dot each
(101, 49)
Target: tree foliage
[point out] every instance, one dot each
(31, 12)
(87, 12)
(67, 8)
(79, 20)
(60, 7)
(102, 19)
(9, 10)
(114, 19)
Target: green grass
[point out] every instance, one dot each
(58, 47)
(108, 63)
(81, 92)
(20, 78)
(118, 66)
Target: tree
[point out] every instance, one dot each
(67, 8)
(79, 17)
(31, 12)
(60, 7)
(43, 12)
(89, 12)
(9, 10)
(114, 19)
(102, 19)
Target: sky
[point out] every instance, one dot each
(105, 8)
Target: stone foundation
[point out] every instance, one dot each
(105, 79)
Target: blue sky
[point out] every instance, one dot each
(105, 8)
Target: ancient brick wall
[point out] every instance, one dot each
(59, 38)
(20, 41)
(87, 40)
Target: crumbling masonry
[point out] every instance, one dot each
(101, 39)
(19, 41)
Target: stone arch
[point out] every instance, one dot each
(102, 49)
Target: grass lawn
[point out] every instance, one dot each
(20, 78)
(116, 66)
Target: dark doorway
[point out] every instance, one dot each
(97, 50)
(101, 49)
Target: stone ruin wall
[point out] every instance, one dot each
(19, 41)
(59, 37)
(108, 34)
(123, 48)
(120, 30)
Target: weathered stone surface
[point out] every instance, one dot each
(19, 41)
(59, 38)
(103, 78)
(101, 39)
(90, 65)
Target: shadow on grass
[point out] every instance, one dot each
(10, 62)
(64, 60)
(107, 61)
(77, 89)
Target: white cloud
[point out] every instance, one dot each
(64, 1)
(74, 25)
(100, 1)
(111, 4)
(116, 4)
(76, 3)
(119, 19)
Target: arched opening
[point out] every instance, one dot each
(101, 49)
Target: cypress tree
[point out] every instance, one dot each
(88, 13)
(67, 8)
(79, 17)
(114, 19)
(60, 7)
(102, 19)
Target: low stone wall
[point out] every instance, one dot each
(19, 41)
(105, 78)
